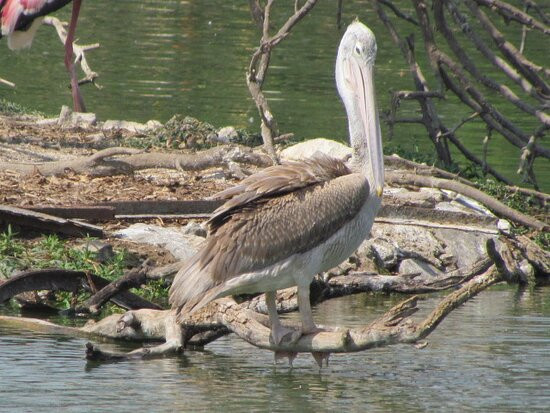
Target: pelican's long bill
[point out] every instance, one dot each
(358, 75)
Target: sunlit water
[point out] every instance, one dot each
(490, 355)
(161, 57)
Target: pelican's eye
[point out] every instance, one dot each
(358, 50)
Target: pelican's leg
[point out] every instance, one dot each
(278, 331)
(78, 101)
(308, 325)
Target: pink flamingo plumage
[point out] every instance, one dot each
(19, 20)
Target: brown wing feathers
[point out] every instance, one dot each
(269, 216)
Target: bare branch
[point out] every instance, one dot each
(469, 65)
(392, 328)
(489, 54)
(429, 115)
(496, 206)
(259, 64)
(339, 14)
(79, 51)
(524, 66)
(108, 161)
(398, 12)
(512, 13)
(56, 279)
(7, 82)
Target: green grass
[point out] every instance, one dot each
(185, 132)
(10, 108)
(50, 251)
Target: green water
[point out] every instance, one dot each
(158, 58)
(491, 355)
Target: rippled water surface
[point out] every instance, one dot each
(490, 355)
(161, 57)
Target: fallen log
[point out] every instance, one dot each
(117, 161)
(45, 222)
(494, 205)
(107, 211)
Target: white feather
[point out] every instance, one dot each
(21, 39)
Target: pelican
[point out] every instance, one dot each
(280, 227)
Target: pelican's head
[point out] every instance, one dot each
(354, 79)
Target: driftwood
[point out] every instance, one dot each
(101, 164)
(394, 211)
(7, 82)
(356, 283)
(223, 316)
(107, 211)
(45, 222)
(111, 161)
(392, 328)
(497, 207)
(134, 278)
(57, 279)
(246, 321)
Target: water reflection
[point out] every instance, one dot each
(490, 355)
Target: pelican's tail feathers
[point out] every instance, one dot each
(192, 288)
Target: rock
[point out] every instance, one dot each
(504, 226)
(417, 266)
(306, 149)
(466, 247)
(227, 134)
(175, 240)
(131, 126)
(384, 252)
(410, 241)
(194, 228)
(70, 119)
(153, 124)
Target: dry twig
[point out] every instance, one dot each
(259, 64)
(79, 51)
